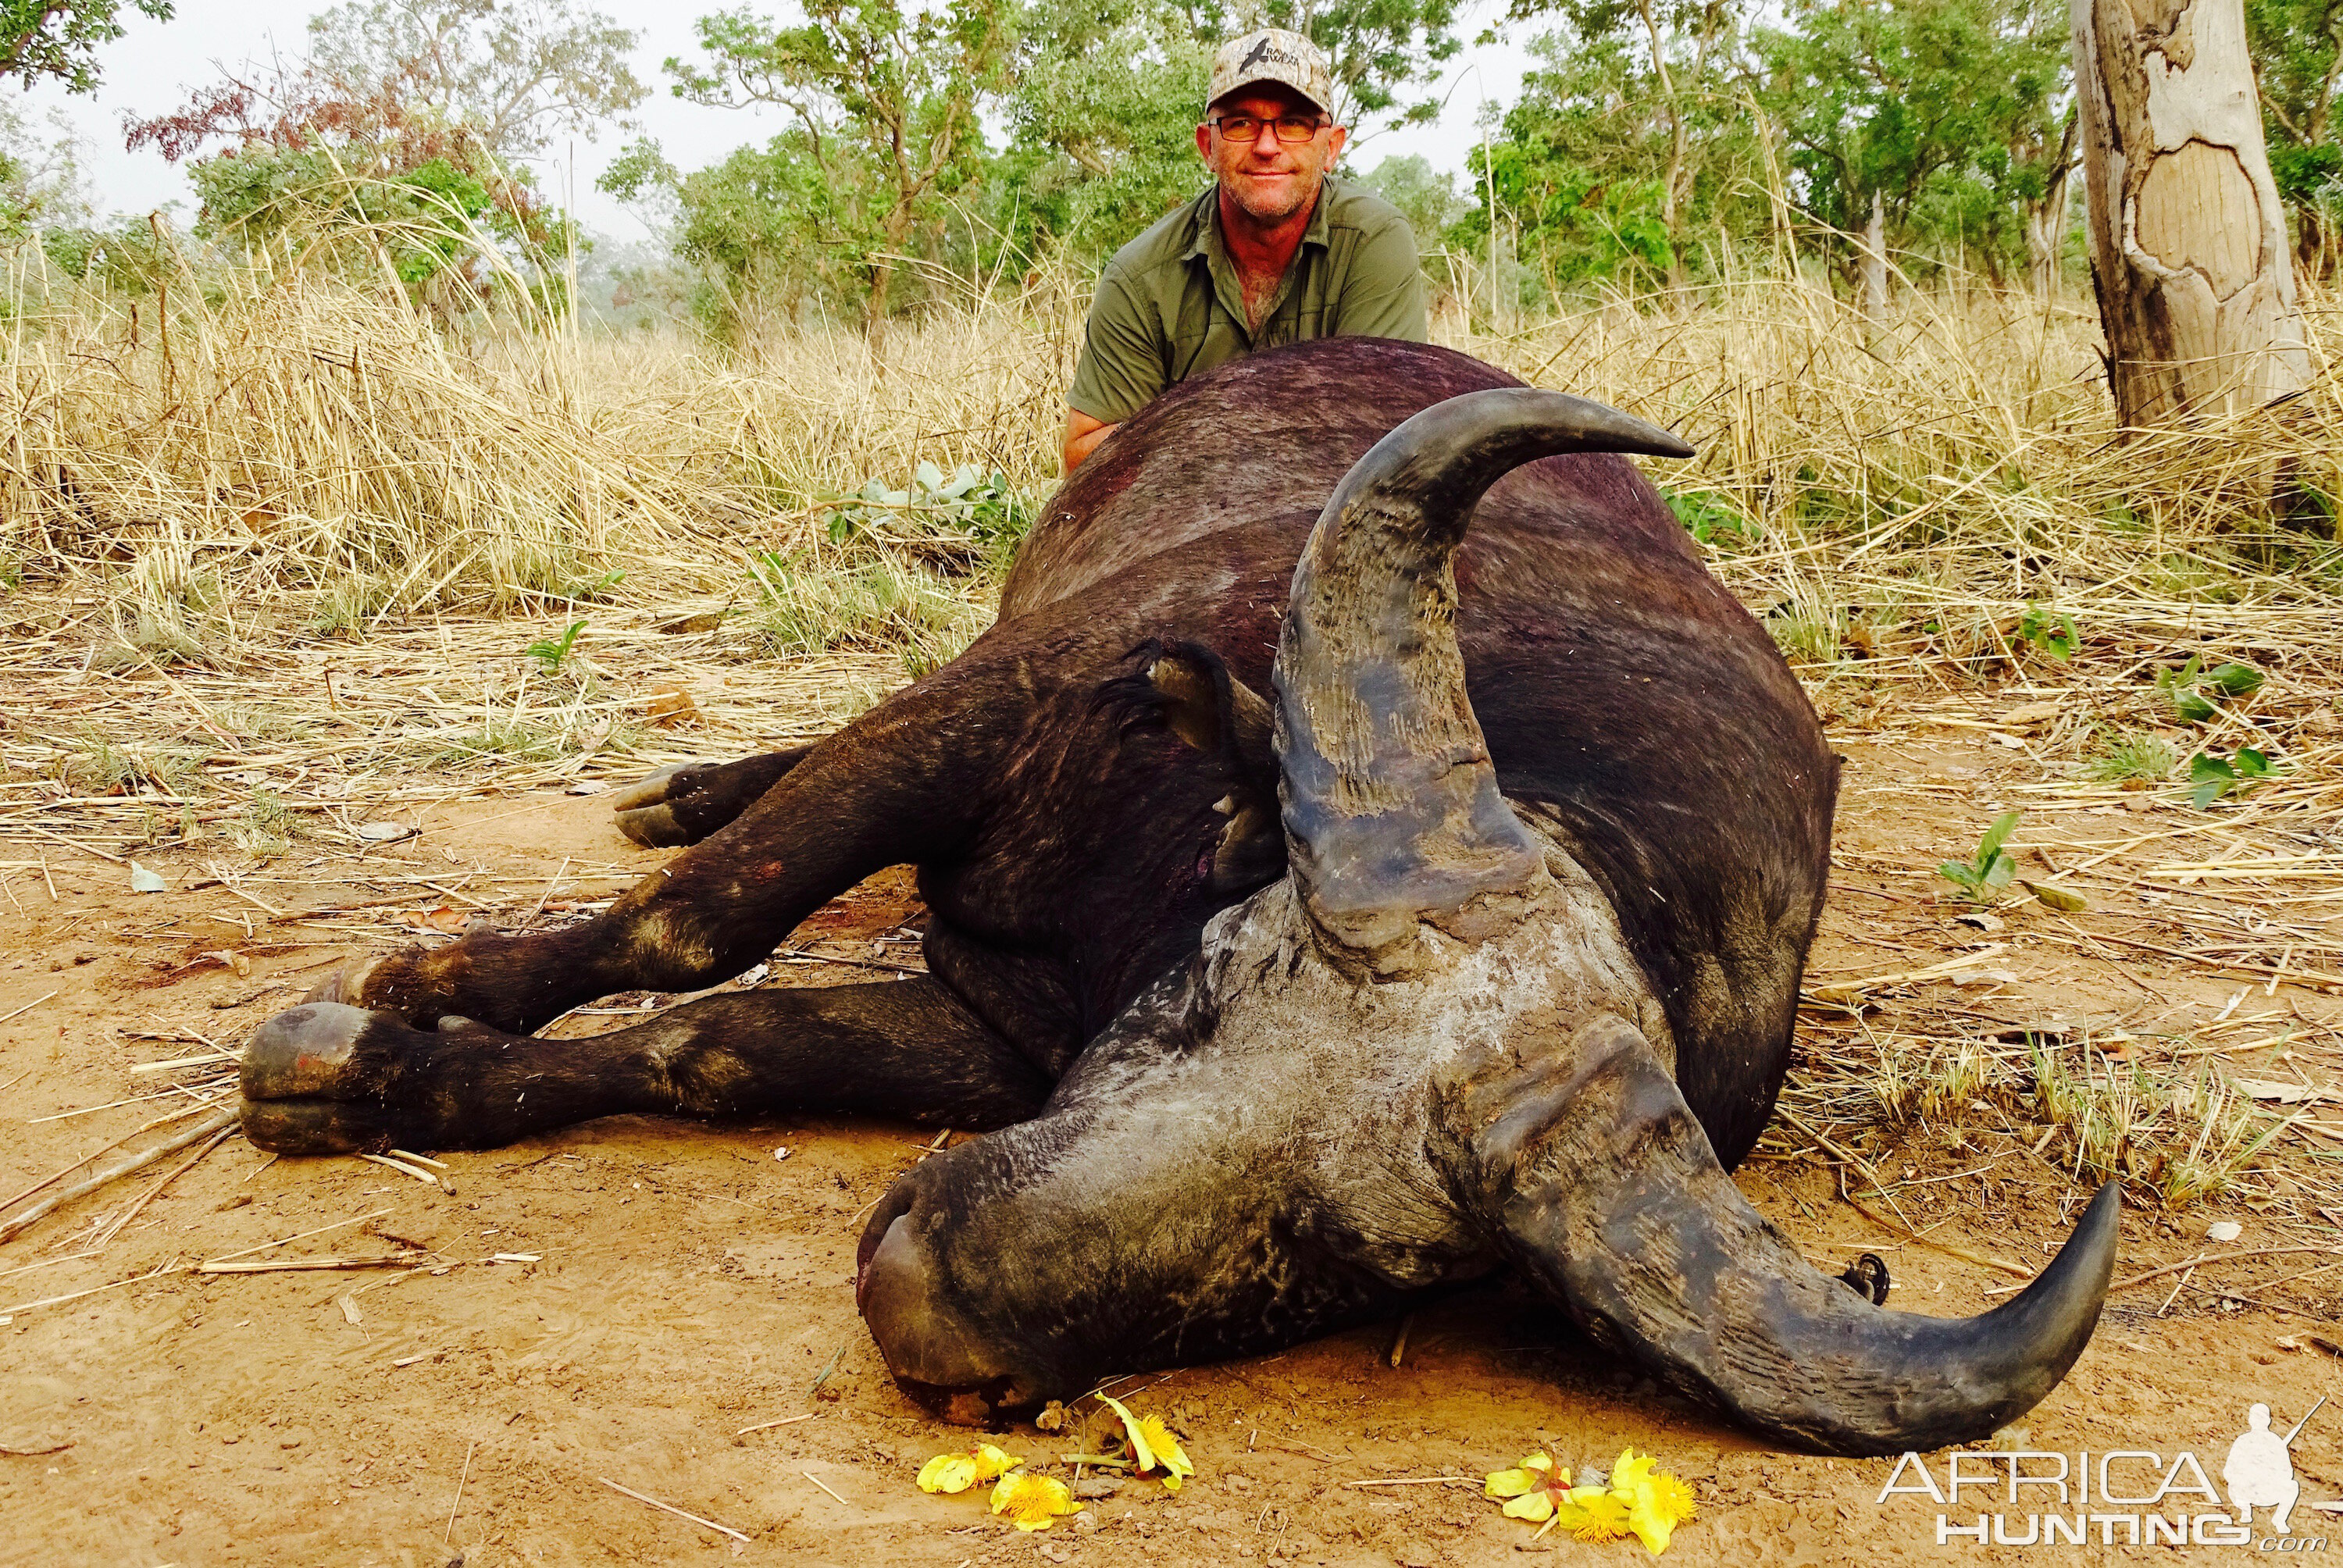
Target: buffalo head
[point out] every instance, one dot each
(1423, 1054)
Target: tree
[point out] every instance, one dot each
(371, 169)
(1425, 196)
(2297, 46)
(1375, 49)
(1942, 113)
(58, 39)
(1102, 107)
(887, 104)
(406, 120)
(42, 184)
(1629, 137)
(753, 225)
(2188, 251)
(515, 74)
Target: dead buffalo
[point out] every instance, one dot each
(1294, 990)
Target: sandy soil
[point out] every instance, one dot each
(682, 1283)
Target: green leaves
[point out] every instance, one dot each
(886, 99)
(2192, 690)
(2211, 778)
(2053, 634)
(1713, 521)
(1990, 871)
(57, 37)
(1942, 108)
(550, 652)
(968, 517)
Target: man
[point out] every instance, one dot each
(1278, 251)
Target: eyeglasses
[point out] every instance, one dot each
(1294, 129)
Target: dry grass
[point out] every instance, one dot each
(269, 435)
(304, 448)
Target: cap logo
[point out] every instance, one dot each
(1271, 55)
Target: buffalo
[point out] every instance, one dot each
(1329, 907)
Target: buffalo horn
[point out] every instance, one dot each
(1604, 1189)
(1391, 806)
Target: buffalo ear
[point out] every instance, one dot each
(1212, 710)
(1185, 687)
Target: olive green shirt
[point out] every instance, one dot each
(1169, 306)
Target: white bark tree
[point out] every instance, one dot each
(2188, 246)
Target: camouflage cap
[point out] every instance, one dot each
(1272, 54)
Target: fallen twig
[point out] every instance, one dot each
(1414, 1481)
(67, 1171)
(205, 1060)
(263, 1247)
(451, 1530)
(214, 1122)
(785, 1420)
(403, 1167)
(156, 1190)
(679, 1513)
(282, 1265)
(26, 1008)
(154, 1273)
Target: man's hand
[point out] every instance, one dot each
(1082, 434)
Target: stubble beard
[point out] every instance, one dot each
(1265, 208)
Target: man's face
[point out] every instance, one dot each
(1270, 180)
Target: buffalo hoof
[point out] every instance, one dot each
(346, 983)
(646, 810)
(326, 1079)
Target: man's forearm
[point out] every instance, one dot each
(1083, 435)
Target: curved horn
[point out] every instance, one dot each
(1604, 1189)
(1390, 806)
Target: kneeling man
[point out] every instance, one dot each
(1278, 251)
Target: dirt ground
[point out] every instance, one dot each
(627, 1303)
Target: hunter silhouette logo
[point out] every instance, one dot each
(2260, 1468)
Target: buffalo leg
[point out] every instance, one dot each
(907, 782)
(683, 805)
(324, 1078)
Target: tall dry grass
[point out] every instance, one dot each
(296, 445)
(273, 444)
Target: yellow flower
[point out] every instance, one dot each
(1152, 1446)
(1635, 1500)
(1537, 1486)
(1524, 1477)
(1601, 1517)
(948, 1472)
(1033, 1502)
(991, 1462)
(951, 1473)
(1167, 1450)
(1661, 1502)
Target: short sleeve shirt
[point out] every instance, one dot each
(1169, 304)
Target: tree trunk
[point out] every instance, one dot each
(2045, 221)
(2314, 254)
(2188, 243)
(1874, 268)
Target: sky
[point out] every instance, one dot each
(155, 65)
